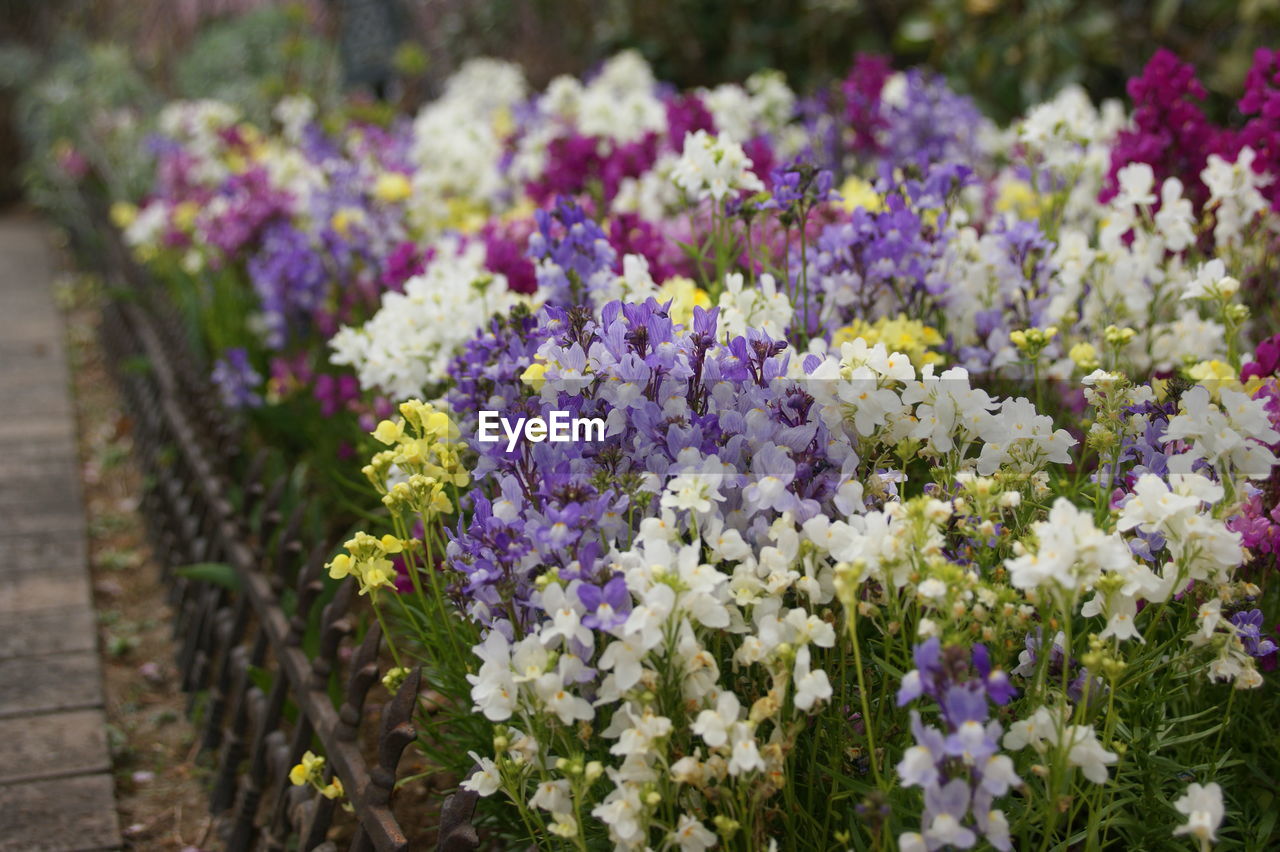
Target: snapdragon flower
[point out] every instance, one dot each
(711, 167)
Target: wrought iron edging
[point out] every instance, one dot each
(224, 634)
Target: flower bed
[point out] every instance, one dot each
(934, 505)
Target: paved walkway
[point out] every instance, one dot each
(56, 790)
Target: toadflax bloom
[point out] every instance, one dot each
(712, 167)
(1203, 808)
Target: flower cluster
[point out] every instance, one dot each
(892, 403)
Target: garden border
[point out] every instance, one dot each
(228, 631)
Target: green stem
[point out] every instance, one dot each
(862, 695)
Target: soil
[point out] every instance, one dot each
(160, 782)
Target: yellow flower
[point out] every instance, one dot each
(388, 432)
(123, 214)
(856, 192)
(184, 215)
(1117, 336)
(465, 215)
(412, 410)
(522, 209)
(344, 219)
(392, 187)
(391, 544)
(440, 501)
(1085, 355)
(1033, 340)
(1018, 197)
(899, 334)
(437, 424)
(684, 295)
(1214, 375)
(394, 677)
(503, 122)
(534, 376)
(310, 767)
(340, 566)
(333, 789)
(376, 574)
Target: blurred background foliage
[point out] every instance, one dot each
(69, 67)
(1006, 53)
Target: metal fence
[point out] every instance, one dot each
(259, 698)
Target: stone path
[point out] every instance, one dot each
(56, 789)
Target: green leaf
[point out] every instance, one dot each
(217, 573)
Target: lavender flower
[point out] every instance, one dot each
(1248, 626)
(960, 769)
(236, 379)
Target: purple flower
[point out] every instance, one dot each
(607, 607)
(1249, 630)
(290, 279)
(574, 254)
(236, 379)
(961, 771)
(862, 111)
(995, 681)
(1170, 131)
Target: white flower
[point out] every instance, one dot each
(999, 775)
(1235, 434)
(647, 617)
(623, 657)
(746, 755)
(405, 348)
(486, 780)
(563, 825)
(762, 307)
(714, 725)
(566, 617)
(569, 708)
(493, 688)
(712, 167)
(1071, 551)
(811, 686)
(553, 796)
(995, 827)
(1234, 195)
(294, 112)
(622, 811)
(620, 102)
(1136, 183)
(1175, 220)
(1088, 754)
(691, 835)
(1041, 731)
(911, 841)
(1207, 283)
(763, 105)
(1018, 434)
(1203, 808)
(932, 590)
(691, 492)
(645, 729)
(918, 767)
(1153, 504)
